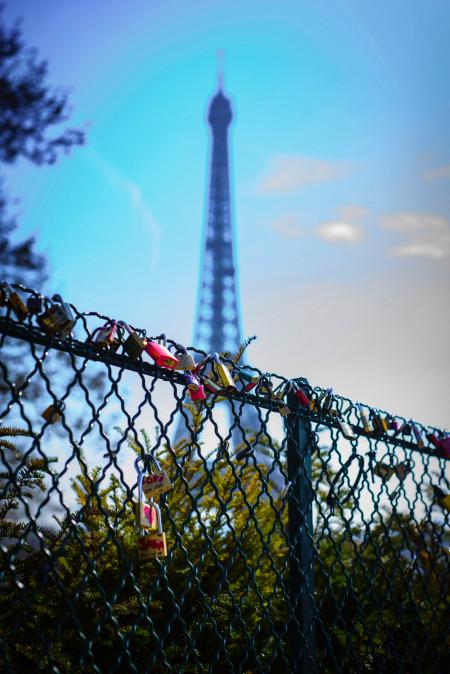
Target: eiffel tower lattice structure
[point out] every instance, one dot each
(218, 324)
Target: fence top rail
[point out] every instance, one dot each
(32, 317)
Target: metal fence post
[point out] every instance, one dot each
(300, 533)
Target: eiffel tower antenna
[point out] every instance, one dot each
(220, 69)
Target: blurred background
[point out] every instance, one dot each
(340, 166)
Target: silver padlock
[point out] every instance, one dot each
(345, 429)
(185, 360)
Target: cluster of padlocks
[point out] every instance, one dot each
(214, 374)
(151, 537)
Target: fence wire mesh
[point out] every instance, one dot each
(314, 541)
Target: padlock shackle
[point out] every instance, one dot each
(179, 348)
(131, 330)
(139, 482)
(160, 337)
(111, 323)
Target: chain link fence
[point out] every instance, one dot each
(314, 541)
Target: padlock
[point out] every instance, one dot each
(445, 447)
(346, 429)
(53, 412)
(192, 381)
(108, 336)
(265, 386)
(441, 498)
(250, 386)
(384, 470)
(153, 544)
(145, 512)
(392, 424)
(248, 375)
(246, 451)
(133, 345)
(280, 391)
(378, 426)
(146, 517)
(68, 315)
(364, 419)
(161, 354)
(300, 395)
(326, 401)
(384, 422)
(157, 482)
(185, 359)
(212, 386)
(58, 319)
(402, 470)
(314, 405)
(434, 440)
(404, 429)
(443, 444)
(223, 373)
(284, 410)
(35, 304)
(12, 299)
(417, 435)
(198, 394)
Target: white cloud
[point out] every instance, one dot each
(422, 250)
(409, 222)
(440, 172)
(428, 234)
(286, 226)
(290, 173)
(336, 232)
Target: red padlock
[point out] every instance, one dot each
(161, 355)
(301, 395)
(198, 393)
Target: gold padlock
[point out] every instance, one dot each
(223, 373)
(11, 298)
(384, 471)
(133, 345)
(58, 319)
(53, 412)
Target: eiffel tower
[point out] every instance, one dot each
(218, 324)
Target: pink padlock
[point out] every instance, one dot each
(161, 355)
(198, 394)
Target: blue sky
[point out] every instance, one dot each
(340, 172)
